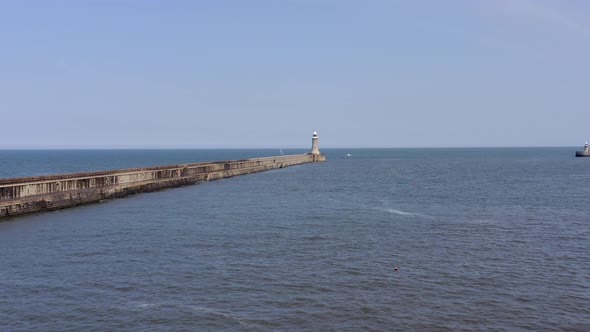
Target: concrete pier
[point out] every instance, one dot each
(44, 193)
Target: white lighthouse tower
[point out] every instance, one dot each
(315, 149)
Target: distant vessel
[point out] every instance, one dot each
(585, 152)
(348, 155)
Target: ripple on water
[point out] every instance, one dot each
(481, 244)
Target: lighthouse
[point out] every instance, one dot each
(315, 149)
(583, 153)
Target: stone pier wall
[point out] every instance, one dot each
(51, 192)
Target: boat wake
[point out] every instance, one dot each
(399, 212)
(403, 213)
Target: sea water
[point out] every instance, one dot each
(483, 239)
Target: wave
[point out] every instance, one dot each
(139, 304)
(229, 316)
(197, 308)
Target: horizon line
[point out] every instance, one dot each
(283, 148)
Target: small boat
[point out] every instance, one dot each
(585, 152)
(348, 155)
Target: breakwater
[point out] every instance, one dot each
(51, 192)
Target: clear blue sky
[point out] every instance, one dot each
(366, 73)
